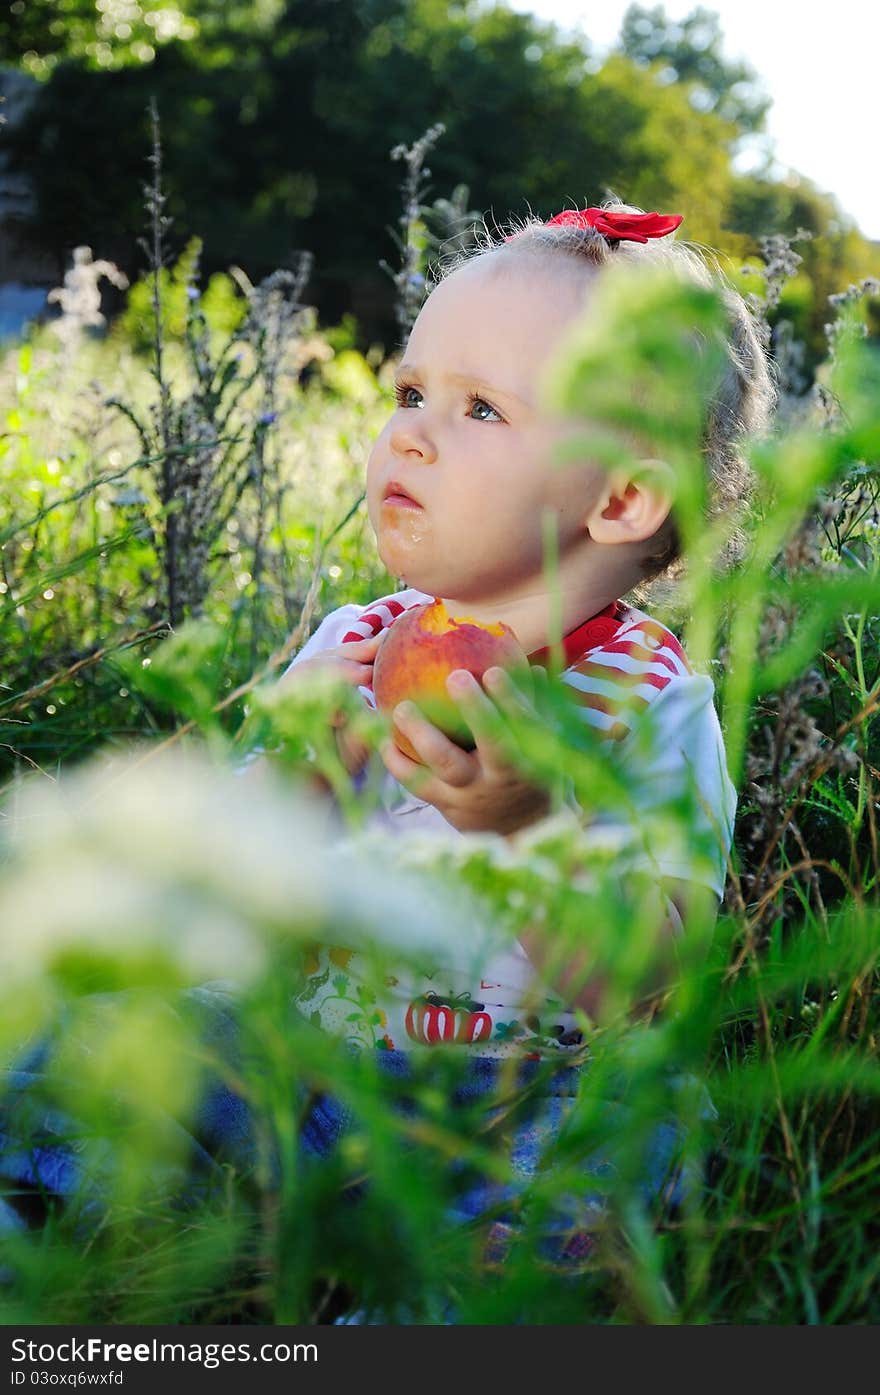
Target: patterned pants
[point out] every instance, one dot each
(42, 1148)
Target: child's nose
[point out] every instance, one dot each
(418, 437)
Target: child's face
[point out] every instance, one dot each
(476, 452)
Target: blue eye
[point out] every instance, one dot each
(401, 390)
(472, 399)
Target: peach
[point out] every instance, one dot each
(421, 648)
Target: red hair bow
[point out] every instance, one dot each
(629, 227)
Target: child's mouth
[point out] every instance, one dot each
(400, 501)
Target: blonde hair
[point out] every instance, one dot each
(741, 407)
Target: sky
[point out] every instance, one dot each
(819, 63)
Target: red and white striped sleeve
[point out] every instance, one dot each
(353, 622)
(616, 682)
(347, 622)
(639, 693)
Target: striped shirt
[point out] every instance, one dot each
(617, 661)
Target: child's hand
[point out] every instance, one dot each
(476, 791)
(351, 663)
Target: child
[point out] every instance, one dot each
(458, 486)
(458, 483)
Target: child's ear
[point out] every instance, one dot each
(634, 503)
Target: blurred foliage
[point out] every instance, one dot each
(170, 1216)
(222, 304)
(688, 51)
(38, 34)
(83, 548)
(259, 78)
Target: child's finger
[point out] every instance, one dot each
(357, 673)
(356, 648)
(478, 710)
(505, 692)
(353, 753)
(350, 670)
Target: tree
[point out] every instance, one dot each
(277, 138)
(39, 34)
(689, 51)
